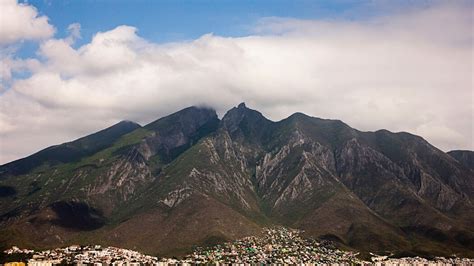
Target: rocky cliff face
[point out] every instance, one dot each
(190, 178)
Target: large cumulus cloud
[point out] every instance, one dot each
(399, 72)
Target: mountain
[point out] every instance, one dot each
(191, 179)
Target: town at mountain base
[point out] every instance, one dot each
(191, 179)
(277, 245)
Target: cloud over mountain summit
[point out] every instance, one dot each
(399, 72)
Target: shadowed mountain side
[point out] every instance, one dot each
(199, 220)
(465, 158)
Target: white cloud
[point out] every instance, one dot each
(21, 22)
(396, 72)
(74, 30)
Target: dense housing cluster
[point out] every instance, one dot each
(87, 255)
(422, 261)
(277, 245)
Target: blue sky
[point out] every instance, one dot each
(171, 20)
(163, 21)
(372, 64)
(174, 21)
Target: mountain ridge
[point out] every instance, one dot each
(80, 147)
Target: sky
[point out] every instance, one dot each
(69, 68)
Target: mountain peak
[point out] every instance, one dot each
(190, 115)
(127, 122)
(243, 121)
(235, 115)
